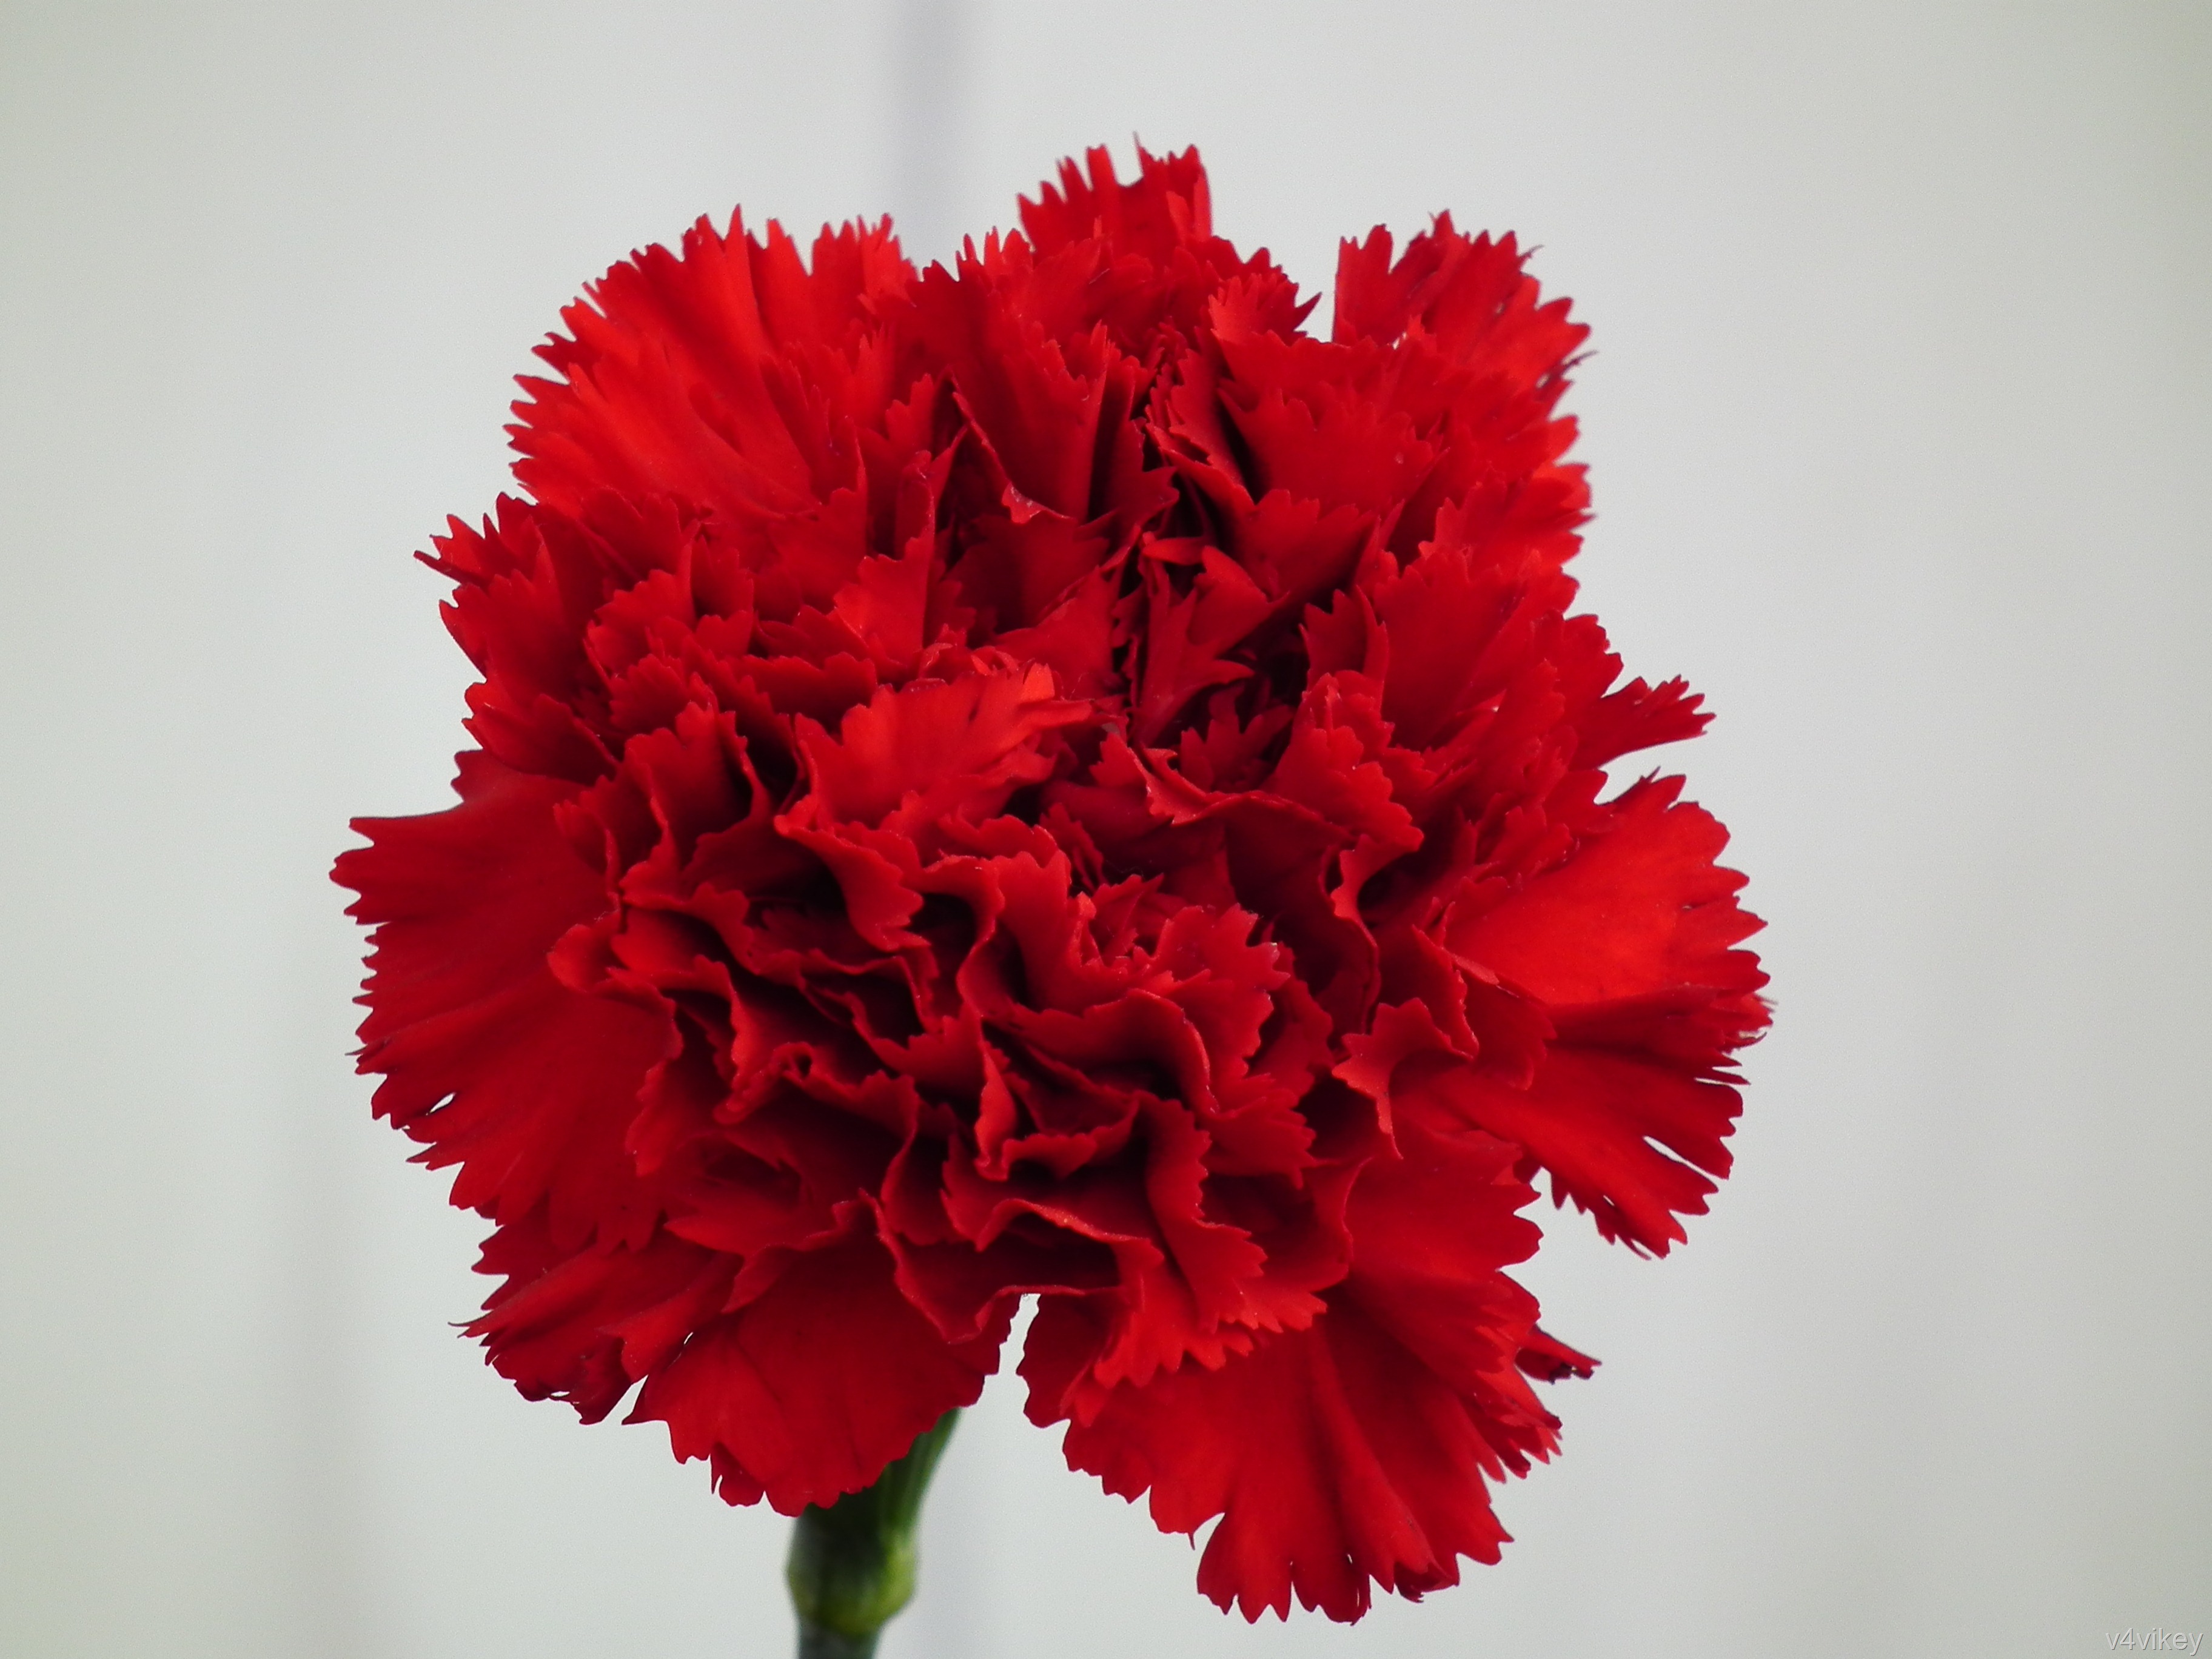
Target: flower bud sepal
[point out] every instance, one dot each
(852, 1564)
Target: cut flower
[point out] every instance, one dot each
(1044, 778)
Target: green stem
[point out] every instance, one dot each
(852, 1565)
(815, 1643)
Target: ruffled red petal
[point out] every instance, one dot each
(805, 1392)
(485, 1055)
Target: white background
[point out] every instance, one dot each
(1899, 421)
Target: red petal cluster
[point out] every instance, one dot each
(1044, 778)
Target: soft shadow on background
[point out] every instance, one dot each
(1900, 425)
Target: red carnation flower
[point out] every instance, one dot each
(1044, 778)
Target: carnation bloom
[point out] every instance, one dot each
(1045, 778)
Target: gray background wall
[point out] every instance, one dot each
(1898, 422)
